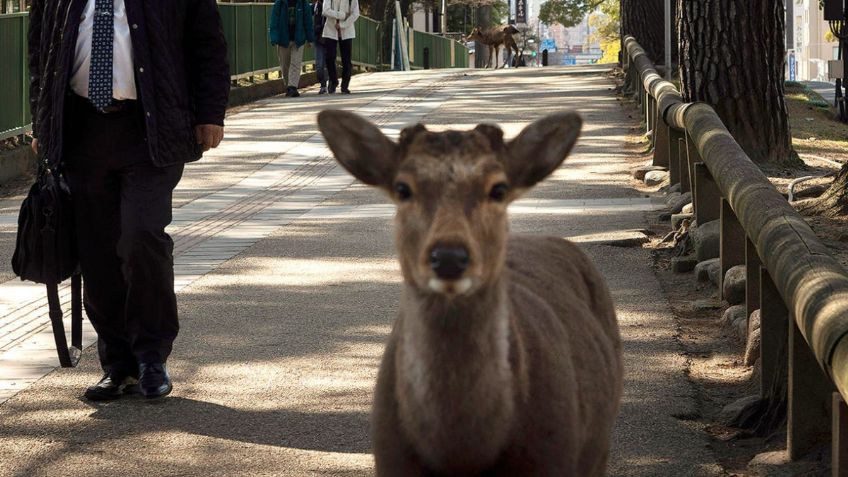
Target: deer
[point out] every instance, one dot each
(493, 38)
(505, 357)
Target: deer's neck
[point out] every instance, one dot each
(456, 384)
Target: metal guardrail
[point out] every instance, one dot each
(250, 54)
(800, 290)
(14, 80)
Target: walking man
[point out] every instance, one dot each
(123, 94)
(339, 32)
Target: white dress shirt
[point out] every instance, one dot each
(123, 80)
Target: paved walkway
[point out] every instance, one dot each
(288, 284)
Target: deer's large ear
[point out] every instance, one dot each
(541, 147)
(360, 147)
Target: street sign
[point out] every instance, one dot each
(521, 12)
(548, 44)
(793, 66)
(835, 70)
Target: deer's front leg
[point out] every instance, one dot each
(393, 455)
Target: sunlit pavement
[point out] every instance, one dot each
(288, 284)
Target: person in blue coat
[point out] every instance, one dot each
(291, 28)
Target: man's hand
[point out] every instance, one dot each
(210, 135)
(34, 145)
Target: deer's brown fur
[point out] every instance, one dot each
(516, 371)
(493, 38)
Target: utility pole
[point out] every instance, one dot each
(668, 24)
(836, 14)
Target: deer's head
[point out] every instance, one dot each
(451, 189)
(475, 35)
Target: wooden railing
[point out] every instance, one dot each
(800, 290)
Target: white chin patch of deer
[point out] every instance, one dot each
(450, 287)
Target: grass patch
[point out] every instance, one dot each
(815, 127)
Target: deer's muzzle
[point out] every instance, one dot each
(449, 262)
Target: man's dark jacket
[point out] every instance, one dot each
(181, 70)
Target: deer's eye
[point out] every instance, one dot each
(403, 191)
(498, 192)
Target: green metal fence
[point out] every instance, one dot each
(14, 80)
(366, 45)
(428, 51)
(250, 54)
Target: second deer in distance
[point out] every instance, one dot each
(493, 38)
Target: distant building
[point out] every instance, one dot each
(426, 19)
(576, 45)
(806, 40)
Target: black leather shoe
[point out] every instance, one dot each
(112, 386)
(153, 380)
(345, 91)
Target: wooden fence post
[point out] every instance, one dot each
(650, 113)
(810, 398)
(683, 158)
(675, 172)
(692, 158)
(752, 278)
(732, 243)
(661, 148)
(774, 326)
(839, 437)
(707, 195)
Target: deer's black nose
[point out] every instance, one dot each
(448, 262)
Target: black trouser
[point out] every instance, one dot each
(123, 204)
(346, 47)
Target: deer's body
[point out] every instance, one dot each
(505, 359)
(494, 38)
(544, 362)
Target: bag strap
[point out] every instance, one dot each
(68, 357)
(58, 326)
(76, 312)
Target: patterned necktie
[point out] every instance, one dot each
(102, 39)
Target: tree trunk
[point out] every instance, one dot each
(732, 57)
(481, 51)
(643, 19)
(834, 201)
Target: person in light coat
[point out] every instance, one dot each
(339, 32)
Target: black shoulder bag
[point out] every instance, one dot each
(46, 252)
